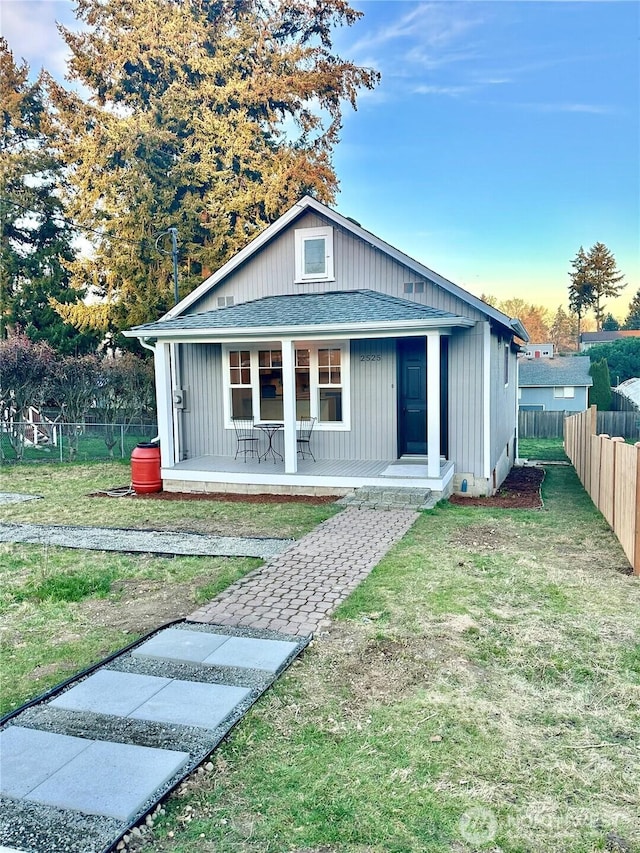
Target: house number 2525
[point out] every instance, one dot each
(371, 357)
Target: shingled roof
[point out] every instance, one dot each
(570, 370)
(334, 308)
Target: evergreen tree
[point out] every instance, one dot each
(213, 117)
(600, 391)
(609, 323)
(604, 278)
(35, 244)
(581, 296)
(633, 317)
(622, 356)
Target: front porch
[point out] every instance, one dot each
(225, 474)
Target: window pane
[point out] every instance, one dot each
(234, 358)
(241, 405)
(303, 393)
(245, 358)
(271, 408)
(314, 256)
(264, 358)
(246, 376)
(334, 355)
(323, 376)
(335, 375)
(323, 357)
(302, 358)
(330, 408)
(235, 376)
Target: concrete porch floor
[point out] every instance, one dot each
(223, 473)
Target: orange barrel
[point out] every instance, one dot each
(145, 468)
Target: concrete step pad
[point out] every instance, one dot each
(216, 649)
(147, 697)
(94, 777)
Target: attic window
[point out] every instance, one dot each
(314, 254)
(224, 301)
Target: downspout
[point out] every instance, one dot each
(486, 402)
(152, 349)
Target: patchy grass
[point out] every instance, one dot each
(479, 691)
(65, 489)
(544, 449)
(62, 610)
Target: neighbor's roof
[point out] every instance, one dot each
(335, 311)
(308, 203)
(568, 370)
(630, 389)
(605, 337)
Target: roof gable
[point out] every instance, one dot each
(309, 204)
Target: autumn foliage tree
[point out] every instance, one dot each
(212, 116)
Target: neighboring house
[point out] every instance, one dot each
(537, 350)
(591, 339)
(554, 384)
(413, 381)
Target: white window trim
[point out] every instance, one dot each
(302, 234)
(345, 375)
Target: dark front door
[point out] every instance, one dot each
(412, 396)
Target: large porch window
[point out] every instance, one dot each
(254, 384)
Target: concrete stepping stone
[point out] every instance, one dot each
(107, 692)
(148, 697)
(30, 756)
(96, 777)
(191, 703)
(251, 653)
(216, 649)
(176, 645)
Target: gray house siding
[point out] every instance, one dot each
(373, 433)
(357, 265)
(503, 401)
(465, 399)
(544, 397)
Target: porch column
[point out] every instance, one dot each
(433, 404)
(162, 367)
(289, 407)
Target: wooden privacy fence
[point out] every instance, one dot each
(609, 470)
(551, 424)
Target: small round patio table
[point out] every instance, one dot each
(270, 429)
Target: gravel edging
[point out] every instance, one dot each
(35, 828)
(143, 541)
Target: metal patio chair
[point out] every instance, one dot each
(247, 440)
(304, 437)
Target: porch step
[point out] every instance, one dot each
(391, 497)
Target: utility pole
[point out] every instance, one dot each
(174, 254)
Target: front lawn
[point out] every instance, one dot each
(66, 489)
(479, 691)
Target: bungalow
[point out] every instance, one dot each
(411, 380)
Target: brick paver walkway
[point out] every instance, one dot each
(298, 590)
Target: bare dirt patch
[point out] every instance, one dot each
(227, 497)
(520, 490)
(143, 605)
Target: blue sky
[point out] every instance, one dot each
(503, 136)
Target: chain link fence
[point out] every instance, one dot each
(68, 442)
